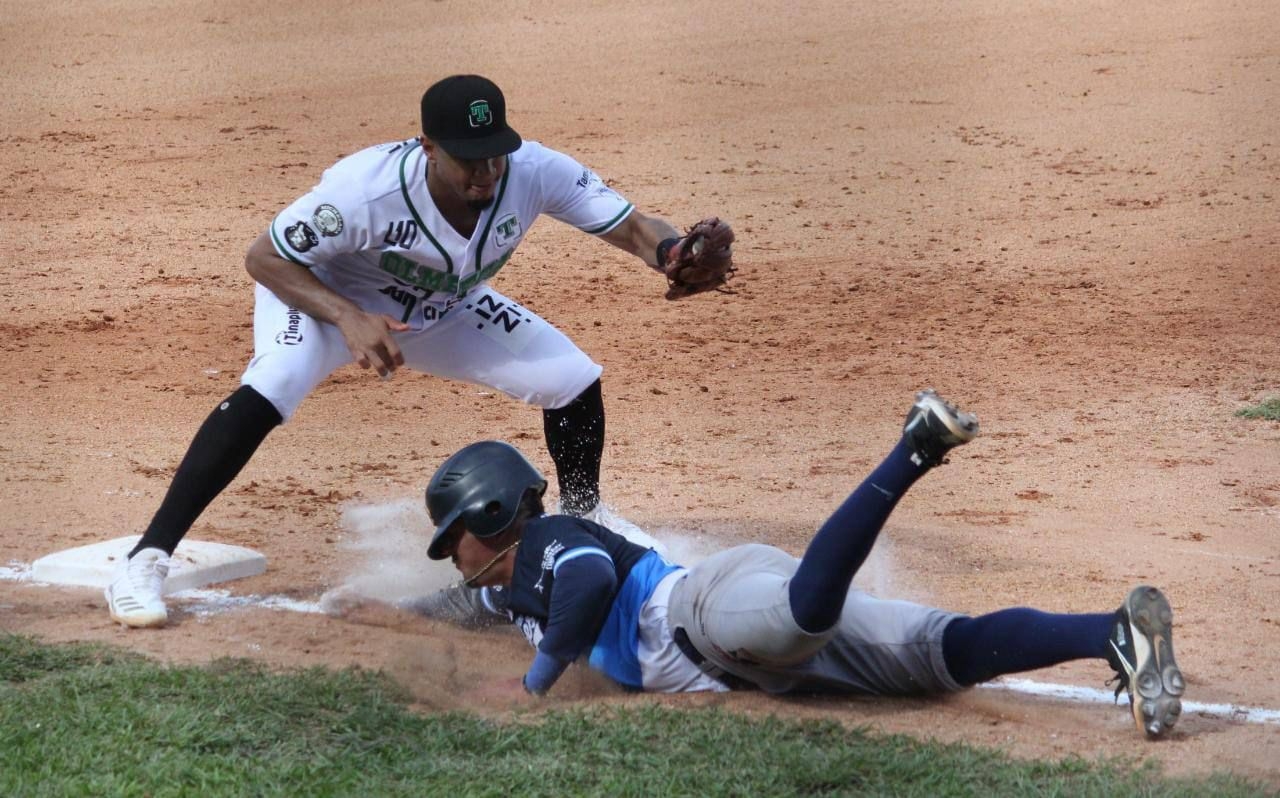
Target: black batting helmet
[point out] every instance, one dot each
(482, 484)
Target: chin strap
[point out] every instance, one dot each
(470, 581)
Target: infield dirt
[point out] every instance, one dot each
(1060, 215)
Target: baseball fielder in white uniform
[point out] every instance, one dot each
(386, 263)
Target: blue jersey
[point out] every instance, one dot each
(577, 587)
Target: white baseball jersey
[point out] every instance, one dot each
(370, 230)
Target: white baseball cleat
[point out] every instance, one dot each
(134, 596)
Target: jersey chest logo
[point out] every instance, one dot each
(507, 230)
(549, 555)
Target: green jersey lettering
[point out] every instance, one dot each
(414, 273)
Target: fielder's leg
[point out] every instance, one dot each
(841, 545)
(220, 449)
(575, 440)
(292, 354)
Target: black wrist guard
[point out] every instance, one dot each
(664, 248)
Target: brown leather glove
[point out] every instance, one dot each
(701, 261)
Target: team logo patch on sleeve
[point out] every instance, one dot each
(300, 236)
(327, 220)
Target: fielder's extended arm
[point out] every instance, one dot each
(701, 260)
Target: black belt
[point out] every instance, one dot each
(707, 666)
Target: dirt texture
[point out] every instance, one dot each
(1061, 215)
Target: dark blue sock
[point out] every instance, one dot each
(1020, 639)
(841, 545)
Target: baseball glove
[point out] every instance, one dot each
(701, 261)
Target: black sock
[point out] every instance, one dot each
(222, 446)
(1020, 639)
(575, 439)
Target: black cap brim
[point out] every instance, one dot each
(503, 143)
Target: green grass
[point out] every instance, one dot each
(86, 720)
(1269, 409)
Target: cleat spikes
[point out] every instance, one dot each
(1141, 652)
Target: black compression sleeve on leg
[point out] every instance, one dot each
(222, 446)
(575, 440)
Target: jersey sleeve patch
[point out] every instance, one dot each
(328, 220)
(336, 217)
(300, 237)
(282, 249)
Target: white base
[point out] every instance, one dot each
(195, 563)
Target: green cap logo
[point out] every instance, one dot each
(480, 114)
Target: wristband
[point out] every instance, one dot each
(664, 248)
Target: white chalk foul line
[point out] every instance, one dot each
(212, 602)
(1092, 695)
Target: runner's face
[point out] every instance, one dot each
(473, 181)
(470, 555)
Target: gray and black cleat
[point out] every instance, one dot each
(935, 427)
(1142, 655)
